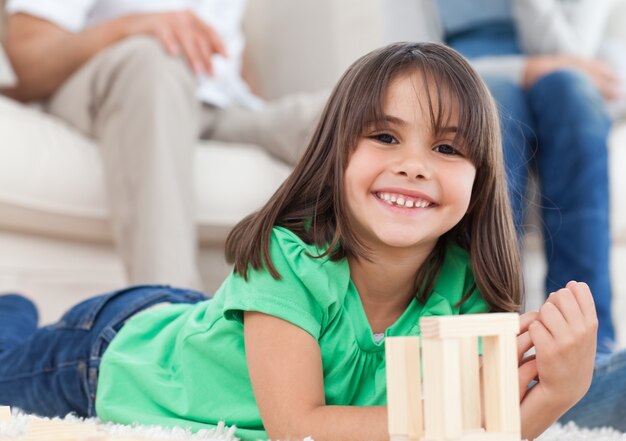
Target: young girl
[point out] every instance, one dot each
(398, 210)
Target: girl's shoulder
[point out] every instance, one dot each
(288, 240)
(308, 292)
(301, 267)
(294, 258)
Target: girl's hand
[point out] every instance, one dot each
(564, 335)
(528, 365)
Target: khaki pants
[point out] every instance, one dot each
(140, 105)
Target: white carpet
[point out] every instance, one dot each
(23, 428)
(570, 432)
(20, 425)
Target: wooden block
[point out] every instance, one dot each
(442, 389)
(5, 414)
(101, 436)
(41, 429)
(97, 437)
(404, 397)
(470, 385)
(470, 325)
(489, 437)
(501, 388)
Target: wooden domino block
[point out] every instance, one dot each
(104, 437)
(442, 399)
(404, 397)
(501, 384)
(470, 385)
(470, 325)
(41, 429)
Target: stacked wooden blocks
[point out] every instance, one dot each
(461, 401)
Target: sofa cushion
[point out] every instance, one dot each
(51, 179)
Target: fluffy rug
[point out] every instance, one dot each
(24, 428)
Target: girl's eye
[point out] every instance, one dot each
(385, 138)
(447, 149)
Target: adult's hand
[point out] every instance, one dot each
(605, 79)
(180, 32)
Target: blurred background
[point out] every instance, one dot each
(55, 240)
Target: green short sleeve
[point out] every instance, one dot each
(307, 294)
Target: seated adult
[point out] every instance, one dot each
(146, 80)
(553, 121)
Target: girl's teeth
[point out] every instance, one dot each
(401, 201)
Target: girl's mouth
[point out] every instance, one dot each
(400, 200)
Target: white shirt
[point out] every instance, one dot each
(224, 88)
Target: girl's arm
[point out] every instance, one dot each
(286, 372)
(564, 336)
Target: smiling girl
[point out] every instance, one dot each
(398, 210)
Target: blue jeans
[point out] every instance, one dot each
(53, 370)
(559, 128)
(604, 405)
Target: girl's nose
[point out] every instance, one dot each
(414, 166)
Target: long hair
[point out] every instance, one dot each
(311, 201)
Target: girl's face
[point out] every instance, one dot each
(405, 186)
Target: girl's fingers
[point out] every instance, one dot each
(589, 322)
(527, 373)
(567, 303)
(552, 319)
(526, 319)
(524, 343)
(541, 337)
(585, 300)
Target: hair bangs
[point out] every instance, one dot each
(459, 104)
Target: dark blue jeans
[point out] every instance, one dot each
(604, 405)
(559, 128)
(53, 370)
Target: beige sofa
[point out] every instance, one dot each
(54, 234)
(55, 241)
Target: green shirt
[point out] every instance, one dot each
(185, 365)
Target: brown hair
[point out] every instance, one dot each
(311, 200)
